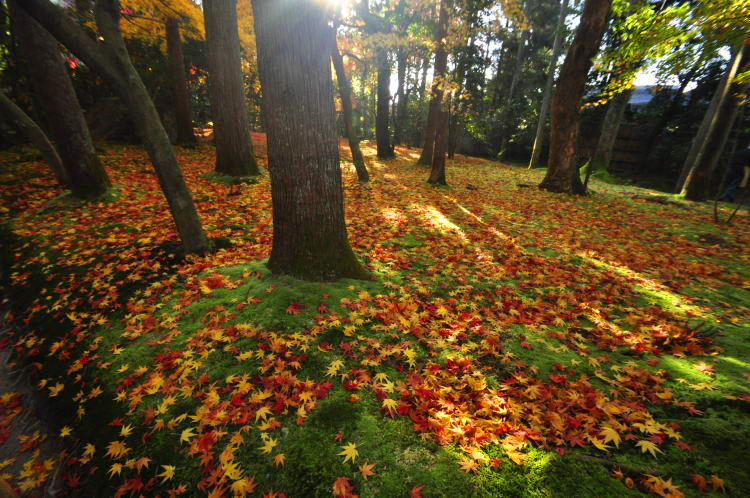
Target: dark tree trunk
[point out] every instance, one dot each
(59, 104)
(309, 233)
(382, 113)
(438, 86)
(437, 173)
(185, 135)
(562, 174)
(345, 91)
(610, 129)
(110, 60)
(16, 117)
(399, 118)
(234, 149)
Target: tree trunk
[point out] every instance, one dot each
(508, 108)
(15, 116)
(309, 233)
(423, 80)
(399, 117)
(610, 129)
(184, 121)
(562, 174)
(438, 86)
(345, 91)
(87, 178)
(234, 149)
(437, 174)
(363, 103)
(544, 108)
(702, 137)
(382, 114)
(698, 189)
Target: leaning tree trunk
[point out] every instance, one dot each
(706, 129)
(309, 233)
(345, 91)
(437, 173)
(51, 82)
(438, 87)
(16, 117)
(234, 149)
(610, 129)
(382, 112)
(562, 174)
(544, 108)
(185, 135)
(111, 61)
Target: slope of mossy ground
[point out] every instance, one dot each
(507, 336)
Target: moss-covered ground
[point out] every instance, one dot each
(511, 342)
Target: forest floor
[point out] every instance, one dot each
(511, 342)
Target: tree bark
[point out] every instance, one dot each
(438, 86)
(234, 149)
(437, 173)
(51, 82)
(382, 112)
(345, 91)
(399, 117)
(15, 116)
(507, 109)
(706, 129)
(544, 108)
(184, 121)
(111, 61)
(562, 174)
(610, 128)
(309, 233)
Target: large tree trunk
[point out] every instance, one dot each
(437, 173)
(438, 87)
(185, 135)
(16, 117)
(382, 112)
(234, 149)
(706, 129)
(345, 91)
(59, 104)
(111, 61)
(610, 129)
(562, 174)
(309, 233)
(544, 108)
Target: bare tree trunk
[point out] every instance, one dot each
(111, 61)
(15, 116)
(700, 142)
(399, 116)
(87, 178)
(518, 65)
(610, 129)
(309, 233)
(544, 108)
(234, 149)
(363, 103)
(562, 174)
(438, 86)
(423, 80)
(345, 92)
(437, 173)
(185, 135)
(382, 112)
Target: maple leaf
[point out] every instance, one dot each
(366, 470)
(117, 449)
(243, 487)
(468, 464)
(349, 452)
(167, 474)
(610, 435)
(390, 405)
(88, 450)
(416, 492)
(278, 460)
(115, 469)
(342, 487)
(125, 430)
(646, 445)
(717, 483)
(186, 435)
(268, 446)
(699, 482)
(65, 431)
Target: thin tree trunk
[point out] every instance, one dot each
(544, 108)
(700, 142)
(610, 129)
(507, 109)
(345, 91)
(363, 102)
(309, 233)
(185, 135)
(437, 173)
(423, 80)
(382, 114)
(53, 88)
(438, 86)
(234, 149)
(562, 174)
(400, 114)
(15, 116)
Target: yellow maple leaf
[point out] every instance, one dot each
(279, 459)
(611, 435)
(268, 446)
(366, 470)
(65, 431)
(167, 474)
(117, 449)
(646, 445)
(349, 452)
(186, 435)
